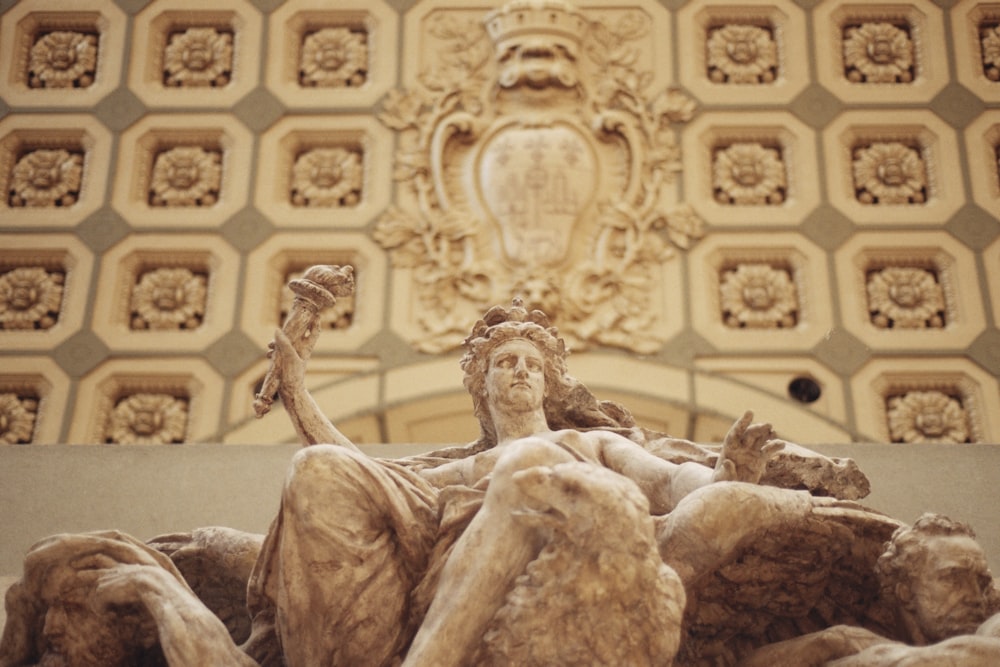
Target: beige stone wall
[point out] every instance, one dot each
(784, 206)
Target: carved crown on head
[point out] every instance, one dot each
(535, 17)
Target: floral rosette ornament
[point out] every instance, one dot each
(46, 177)
(334, 58)
(758, 296)
(327, 177)
(990, 41)
(745, 54)
(749, 174)
(169, 299)
(906, 298)
(927, 416)
(198, 57)
(889, 173)
(878, 53)
(17, 418)
(63, 59)
(148, 419)
(186, 176)
(30, 298)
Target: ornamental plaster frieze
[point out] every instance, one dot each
(925, 400)
(55, 54)
(335, 55)
(745, 52)
(893, 167)
(187, 54)
(44, 286)
(881, 51)
(166, 292)
(913, 293)
(324, 171)
(182, 171)
(537, 155)
(148, 401)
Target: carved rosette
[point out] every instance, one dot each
(758, 296)
(168, 299)
(63, 59)
(327, 177)
(749, 174)
(17, 418)
(905, 298)
(46, 177)
(927, 416)
(553, 190)
(198, 57)
(889, 173)
(989, 37)
(30, 298)
(745, 54)
(186, 176)
(148, 419)
(334, 58)
(878, 53)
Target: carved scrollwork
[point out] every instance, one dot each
(186, 176)
(878, 53)
(927, 416)
(46, 177)
(567, 169)
(17, 418)
(30, 298)
(757, 295)
(198, 57)
(169, 298)
(63, 59)
(148, 419)
(889, 173)
(334, 58)
(905, 298)
(745, 54)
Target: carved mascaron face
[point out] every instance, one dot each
(515, 380)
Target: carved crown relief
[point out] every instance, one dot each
(536, 160)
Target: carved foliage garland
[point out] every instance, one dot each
(744, 54)
(148, 419)
(46, 177)
(30, 298)
(905, 298)
(334, 58)
(186, 176)
(567, 163)
(17, 418)
(878, 53)
(198, 57)
(63, 59)
(169, 298)
(927, 416)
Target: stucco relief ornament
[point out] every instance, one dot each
(46, 177)
(927, 416)
(334, 58)
(198, 57)
(990, 40)
(17, 418)
(148, 419)
(327, 177)
(758, 296)
(169, 298)
(905, 298)
(889, 173)
(878, 53)
(30, 298)
(744, 54)
(63, 59)
(186, 176)
(749, 174)
(533, 158)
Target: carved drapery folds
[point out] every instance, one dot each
(186, 176)
(758, 295)
(168, 299)
(198, 57)
(744, 54)
(905, 298)
(327, 177)
(889, 173)
(748, 173)
(30, 298)
(568, 161)
(63, 59)
(148, 419)
(878, 52)
(334, 58)
(930, 416)
(46, 177)
(17, 418)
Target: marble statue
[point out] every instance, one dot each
(565, 534)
